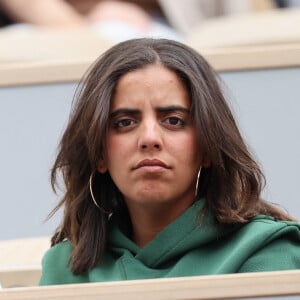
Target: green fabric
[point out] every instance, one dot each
(186, 247)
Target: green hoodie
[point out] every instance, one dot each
(186, 247)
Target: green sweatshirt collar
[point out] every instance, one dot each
(187, 232)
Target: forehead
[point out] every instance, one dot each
(154, 83)
(152, 71)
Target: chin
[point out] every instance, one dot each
(152, 197)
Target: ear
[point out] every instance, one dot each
(206, 162)
(102, 167)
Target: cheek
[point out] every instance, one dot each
(113, 142)
(117, 149)
(186, 149)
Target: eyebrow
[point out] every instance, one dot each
(172, 108)
(166, 109)
(124, 111)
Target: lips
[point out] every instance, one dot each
(151, 163)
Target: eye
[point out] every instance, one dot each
(123, 123)
(175, 122)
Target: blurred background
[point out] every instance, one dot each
(47, 45)
(69, 28)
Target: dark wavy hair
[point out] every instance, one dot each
(232, 184)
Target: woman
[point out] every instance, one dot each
(159, 182)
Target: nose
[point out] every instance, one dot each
(150, 136)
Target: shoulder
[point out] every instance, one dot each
(275, 244)
(263, 230)
(271, 226)
(55, 264)
(268, 229)
(60, 254)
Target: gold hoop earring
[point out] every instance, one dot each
(93, 197)
(197, 182)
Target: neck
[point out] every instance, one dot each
(147, 222)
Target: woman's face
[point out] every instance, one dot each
(152, 153)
